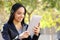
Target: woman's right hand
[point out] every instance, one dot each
(24, 35)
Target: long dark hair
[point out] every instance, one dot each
(14, 8)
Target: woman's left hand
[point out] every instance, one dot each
(37, 30)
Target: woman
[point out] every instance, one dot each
(15, 28)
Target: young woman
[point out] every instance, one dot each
(15, 28)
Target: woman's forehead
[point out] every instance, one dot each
(21, 9)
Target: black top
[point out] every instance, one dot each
(9, 32)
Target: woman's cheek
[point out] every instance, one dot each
(17, 17)
(21, 17)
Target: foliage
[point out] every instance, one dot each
(48, 9)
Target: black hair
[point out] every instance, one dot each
(14, 8)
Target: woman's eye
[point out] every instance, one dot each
(19, 13)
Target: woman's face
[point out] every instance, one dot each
(19, 14)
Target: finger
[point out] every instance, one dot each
(35, 31)
(27, 32)
(36, 27)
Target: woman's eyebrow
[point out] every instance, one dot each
(21, 12)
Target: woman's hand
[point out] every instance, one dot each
(24, 35)
(37, 30)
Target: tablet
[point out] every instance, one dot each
(33, 22)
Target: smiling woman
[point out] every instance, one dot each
(16, 28)
(19, 15)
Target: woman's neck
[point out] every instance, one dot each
(17, 24)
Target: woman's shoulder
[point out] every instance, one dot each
(6, 25)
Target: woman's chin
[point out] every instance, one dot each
(19, 20)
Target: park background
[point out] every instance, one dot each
(48, 9)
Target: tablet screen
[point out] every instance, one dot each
(33, 22)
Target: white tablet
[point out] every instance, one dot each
(33, 22)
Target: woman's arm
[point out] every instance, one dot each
(5, 34)
(23, 36)
(36, 32)
(35, 37)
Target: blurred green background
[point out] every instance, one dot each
(48, 9)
